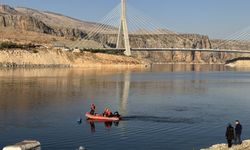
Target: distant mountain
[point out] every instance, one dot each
(44, 22)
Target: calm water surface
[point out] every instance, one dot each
(164, 107)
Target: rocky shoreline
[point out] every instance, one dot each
(244, 146)
(53, 58)
(44, 58)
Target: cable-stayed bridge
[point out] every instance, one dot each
(127, 29)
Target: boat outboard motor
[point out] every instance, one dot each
(116, 114)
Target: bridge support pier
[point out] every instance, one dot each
(123, 31)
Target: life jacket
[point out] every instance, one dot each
(107, 112)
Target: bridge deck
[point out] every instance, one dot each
(190, 49)
(173, 49)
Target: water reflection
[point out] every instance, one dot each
(170, 98)
(125, 87)
(32, 89)
(107, 124)
(43, 92)
(193, 67)
(92, 127)
(164, 119)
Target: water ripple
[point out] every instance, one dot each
(161, 119)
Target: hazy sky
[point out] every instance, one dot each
(216, 18)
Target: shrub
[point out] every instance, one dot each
(10, 45)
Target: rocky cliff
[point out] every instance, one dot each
(170, 40)
(44, 22)
(9, 17)
(24, 23)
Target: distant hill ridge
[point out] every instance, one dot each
(43, 21)
(51, 18)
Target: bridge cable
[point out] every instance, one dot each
(102, 26)
(241, 35)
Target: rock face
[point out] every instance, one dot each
(25, 23)
(44, 22)
(9, 17)
(25, 145)
(170, 40)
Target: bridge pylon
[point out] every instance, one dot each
(123, 31)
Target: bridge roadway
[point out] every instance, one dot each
(172, 49)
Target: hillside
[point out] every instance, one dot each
(43, 21)
(55, 19)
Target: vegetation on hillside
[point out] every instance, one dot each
(12, 45)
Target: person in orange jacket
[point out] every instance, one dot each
(107, 113)
(92, 109)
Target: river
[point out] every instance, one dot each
(164, 106)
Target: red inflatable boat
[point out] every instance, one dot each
(101, 118)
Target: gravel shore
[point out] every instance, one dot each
(244, 146)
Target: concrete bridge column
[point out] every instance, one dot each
(123, 30)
